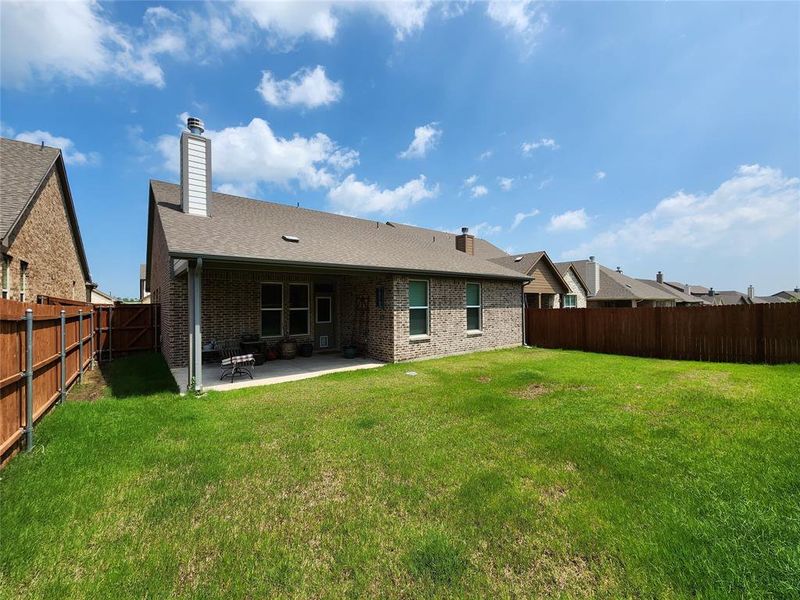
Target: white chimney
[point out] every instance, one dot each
(750, 292)
(593, 276)
(195, 170)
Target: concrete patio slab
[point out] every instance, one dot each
(278, 371)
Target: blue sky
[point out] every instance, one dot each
(652, 135)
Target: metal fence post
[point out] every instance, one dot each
(92, 332)
(63, 395)
(28, 378)
(80, 345)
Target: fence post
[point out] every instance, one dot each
(91, 332)
(80, 345)
(63, 395)
(28, 378)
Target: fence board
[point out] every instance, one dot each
(755, 333)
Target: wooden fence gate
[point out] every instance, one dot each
(125, 328)
(754, 333)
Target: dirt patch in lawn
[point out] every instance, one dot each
(712, 380)
(533, 391)
(484, 379)
(553, 494)
(93, 388)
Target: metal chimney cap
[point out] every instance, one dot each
(465, 230)
(195, 125)
(591, 259)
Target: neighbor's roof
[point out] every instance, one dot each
(525, 263)
(677, 294)
(563, 267)
(694, 289)
(617, 286)
(252, 230)
(23, 170)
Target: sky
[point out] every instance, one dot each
(655, 136)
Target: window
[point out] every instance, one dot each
(418, 307)
(323, 309)
(570, 301)
(23, 280)
(298, 309)
(6, 267)
(271, 309)
(473, 307)
(379, 297)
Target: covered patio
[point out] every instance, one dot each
(276, 371)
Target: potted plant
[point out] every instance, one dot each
(271, 353)
(349, 351)
(288, 348)
(306, 349)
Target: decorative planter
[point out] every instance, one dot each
(272, 354)
(306, 349)
(349, 351)
(288, 349)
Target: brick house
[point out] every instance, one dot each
(223, 266)
(42, 250)
(551, 285)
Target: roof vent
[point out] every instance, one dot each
(465, 230)
(291, 238)
(619, 269)
(195, 125)
(518, 258)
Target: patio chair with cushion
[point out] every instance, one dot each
(234, 362)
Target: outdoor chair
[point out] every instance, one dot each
(233, 362)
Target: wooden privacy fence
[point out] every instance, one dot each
(45, 348)
(755, 333)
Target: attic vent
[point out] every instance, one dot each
(291, 238)
(518, 258)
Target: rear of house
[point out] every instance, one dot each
(224, 267)
(42, 250)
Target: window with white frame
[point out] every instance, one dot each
(23, 280)
(418, 309)
(298, 309)
(474, 307)
(570, 301)
(6, 275)
(323, 312)
(271, 309)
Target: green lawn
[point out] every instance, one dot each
(515, 473)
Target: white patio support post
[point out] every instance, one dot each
(194, 281)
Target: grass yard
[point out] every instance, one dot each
(516, 473)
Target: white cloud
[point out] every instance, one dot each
(71, 154)
(406, 17)
(76, 41)
(520, 217)
(506, 183)
(352, 196)
(306, 87)
(545, 182)
(470, 181)
(479, 190)
(251, 154)
(529, 147)
(525, 19)
(484, 229)
(757, 205)
(572, 220)
(485, 155)
(426, 138)
(599, 175)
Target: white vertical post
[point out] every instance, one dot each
(63, 390)
(198, 326)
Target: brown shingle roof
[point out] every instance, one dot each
(23, 166)
(246, 229)
(677, 294)
(618, 286)
(483, 248)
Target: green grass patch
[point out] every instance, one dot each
(518, 473)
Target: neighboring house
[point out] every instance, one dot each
(548, 287)
(99, 297)
(610, 289)
(689, 289)
(732, 297)
(682, 298)
(577, 286)
(788, 295)
(222, 266)
(144, 294)
(42, 250)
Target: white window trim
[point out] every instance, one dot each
(307, 309)
(23, 280)
(6, 276)
(479, 306)
(565, 300)
(427, 307)
(316, 309)
(260, 291)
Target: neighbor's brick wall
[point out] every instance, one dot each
(576, 288)
(501, 319)
(46, 243)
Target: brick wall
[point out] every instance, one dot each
(46, 243)
(501, 318)
(370, 327)
(576, 288)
